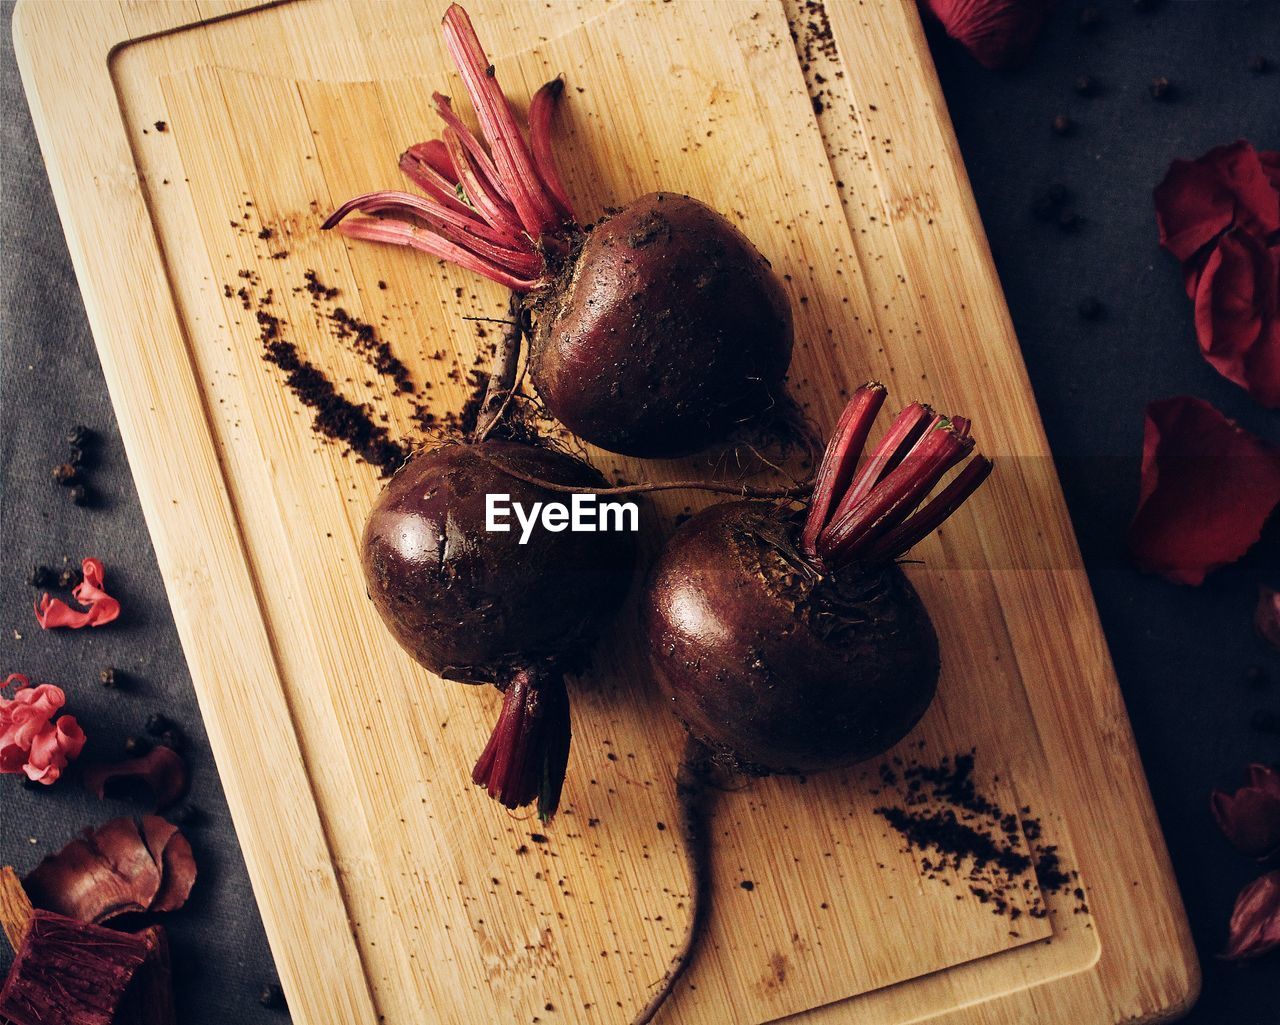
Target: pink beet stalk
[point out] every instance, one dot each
(497, 209)
(898, 541)
(907, 428)
(871, 515)
(400, 233)
(541, 107)
(841, 458)
(528, 750)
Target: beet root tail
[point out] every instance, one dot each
(528, 750)
(694, 798)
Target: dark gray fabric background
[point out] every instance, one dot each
(1181, 653)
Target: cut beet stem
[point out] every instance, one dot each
(541, 107)
(499, 209)
(528, 750)
(875, 517)
(920, 525)
(906, 429)
(840, 459)
(518, 177)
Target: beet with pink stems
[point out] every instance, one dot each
(657, 329)
(791, 646)
(478, 606)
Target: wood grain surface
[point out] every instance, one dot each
(390, 887)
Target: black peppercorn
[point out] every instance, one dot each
(136, 747)
(70, 577)
(272, 996)
(75, 456)
(65, 474)
(158, 724)
(1161, 88)
(1265, 720)
(1090, 18)
(41, 576)
(1086, 85)
(1146, 6)
(1256, 676)
(79, 494)
(79, 435)
(109, 677)
(1062, 125)
(1259, 64)
(1090, 308)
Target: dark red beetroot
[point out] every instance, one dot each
(479, 607)
(658, 329)
(791, 647)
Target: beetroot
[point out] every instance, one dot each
(480, 607)
(658, 329)
(792, 646)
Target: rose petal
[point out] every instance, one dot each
(172, 852)
(1237, 321)
(999, 33)
(1255, 922)
(1199, 199)
(1266, 617)
(1250, 817)
(102, 608)
(161, 769)
(1270, 160)
(1208, 487)
(106, 872)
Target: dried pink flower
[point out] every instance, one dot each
(31, 739)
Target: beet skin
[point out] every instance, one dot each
(658, 329)
(667, 329)
(476, 606)
(776, 666)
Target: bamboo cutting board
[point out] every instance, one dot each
(391, 889)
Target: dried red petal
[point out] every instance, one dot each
(1270, 160)
(1250, 817)
(999, 33)
(172, 852)
(1266, 616)
(1237, 299)
(1255, 922)
(101, 607)
(1200, 199)
(1208, 487)
(69, 973)
(123, 866)
(161, 769)
(104, 873)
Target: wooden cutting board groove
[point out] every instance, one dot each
(390, 888)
